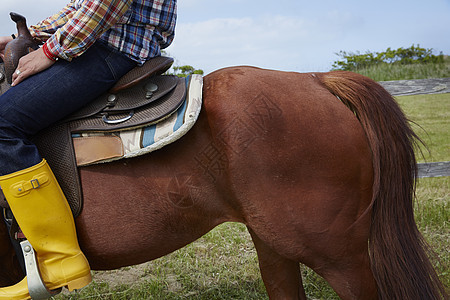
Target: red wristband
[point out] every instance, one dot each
(48, 53)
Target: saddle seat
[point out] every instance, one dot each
(152, 67)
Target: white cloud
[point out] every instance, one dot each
(279, 42)
(287, 34)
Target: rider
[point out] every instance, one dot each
(87, 47)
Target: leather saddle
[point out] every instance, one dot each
(140, 98)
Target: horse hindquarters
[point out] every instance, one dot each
(300, 167)
(398, 251)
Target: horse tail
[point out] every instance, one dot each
(398, 252)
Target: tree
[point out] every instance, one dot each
(412, 55)
(184, 71)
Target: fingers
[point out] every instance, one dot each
(21, 72)
(4, 40)
(18, 76)
(29, 65)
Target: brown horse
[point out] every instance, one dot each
(320, 167)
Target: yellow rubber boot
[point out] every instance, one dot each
(43, 214)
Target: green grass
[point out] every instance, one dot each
(433, 219)
(386, 72)
(223, 263)
(431, 115)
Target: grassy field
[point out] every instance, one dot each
(385, 72)
(431, 115)
(223, 263)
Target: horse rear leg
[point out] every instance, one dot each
(350, 277)
(282, 277)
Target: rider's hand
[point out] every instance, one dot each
(3, 41)
(30, 64)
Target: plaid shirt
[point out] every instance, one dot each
(138, 28)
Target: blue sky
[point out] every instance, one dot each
(291, 35)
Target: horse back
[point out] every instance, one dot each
(290, 116)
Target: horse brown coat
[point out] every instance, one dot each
(276, 151)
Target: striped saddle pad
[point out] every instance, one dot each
(99, 147)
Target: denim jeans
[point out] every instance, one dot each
(49, 96)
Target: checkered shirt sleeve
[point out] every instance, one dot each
(138, 28)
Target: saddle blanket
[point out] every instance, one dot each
(100, 147)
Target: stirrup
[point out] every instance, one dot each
(36, 286)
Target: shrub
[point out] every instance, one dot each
(401, 56)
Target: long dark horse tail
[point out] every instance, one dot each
(398, 252)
